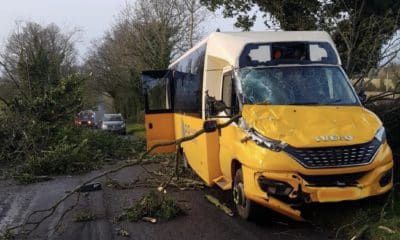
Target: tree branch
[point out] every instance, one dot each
(5, 101)
(51, 210)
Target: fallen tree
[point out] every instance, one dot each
(30, 224)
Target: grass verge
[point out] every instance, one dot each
(375, 218)
(136, 129)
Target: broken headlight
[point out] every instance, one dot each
(274, 187)
(380, 135)
(262, 141)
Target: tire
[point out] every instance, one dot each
(245, 207)
(396, 174)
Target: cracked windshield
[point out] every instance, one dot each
(308, 85)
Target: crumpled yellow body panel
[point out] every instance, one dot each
(300, 125)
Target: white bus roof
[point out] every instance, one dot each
(229, 45)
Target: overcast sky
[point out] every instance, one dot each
(93, 17)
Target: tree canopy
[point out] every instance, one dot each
(39, 70)
(362, 30)
(147, 35)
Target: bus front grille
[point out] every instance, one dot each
(333, 157)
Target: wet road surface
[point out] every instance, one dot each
(203, 220)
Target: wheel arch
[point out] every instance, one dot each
(235, 165)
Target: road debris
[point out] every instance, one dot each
(149, 219)
(220, 205)
(91, 187)
(153, 205)
(122, 232)
(84, 216)
(360, 233)
(386, 229)
(169, 208)
(112, 183)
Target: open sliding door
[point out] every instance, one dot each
(159, 116)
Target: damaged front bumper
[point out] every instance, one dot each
(284, 192)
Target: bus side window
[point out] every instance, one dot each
(157, 91)
(227, 91)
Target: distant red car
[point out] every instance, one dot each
(85, 118)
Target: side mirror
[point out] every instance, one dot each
(213, 106)
(219, 106)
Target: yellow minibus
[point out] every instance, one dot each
(303, 135)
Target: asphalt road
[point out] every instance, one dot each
(203, 220)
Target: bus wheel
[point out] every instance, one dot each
(244, 206)
(396, 169)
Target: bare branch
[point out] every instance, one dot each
(4, 101)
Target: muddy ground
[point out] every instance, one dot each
(202, 220)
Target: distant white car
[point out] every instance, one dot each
(113, 123)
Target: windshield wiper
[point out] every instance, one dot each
(305, 103)
(263, 103)
(335, 100)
